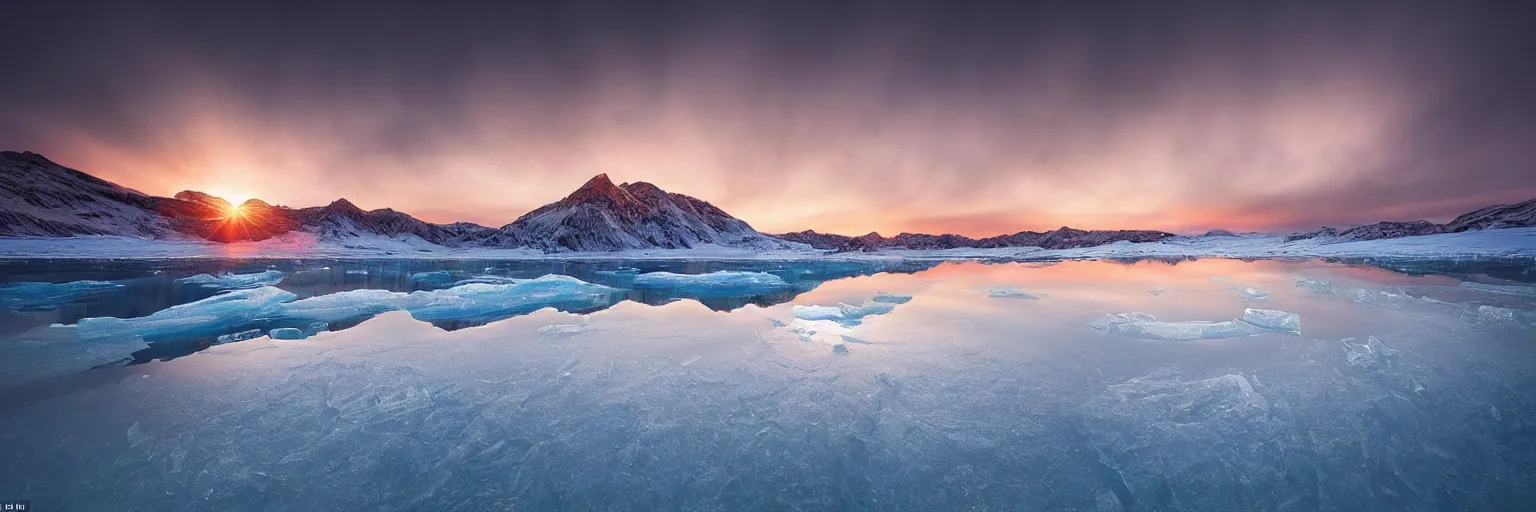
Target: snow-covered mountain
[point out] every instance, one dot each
(601, 216)
(341, 219)
(42, 198)
(1494, 217)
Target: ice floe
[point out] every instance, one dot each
(721, 284)
(487, 302)
(839, 324)
(1273, 320)
(243, 310)
(1146, 326)
(287, 333)
(891, 298)
(1009, 292)
(1252, 294)
(229, 281)
(210, 317)
(34, 296)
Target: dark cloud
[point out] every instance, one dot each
(848, 116)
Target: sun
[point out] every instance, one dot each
(235, 211)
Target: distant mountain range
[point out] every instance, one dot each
(41, 198)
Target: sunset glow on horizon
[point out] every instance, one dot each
(886, 116)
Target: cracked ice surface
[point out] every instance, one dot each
(959, 402)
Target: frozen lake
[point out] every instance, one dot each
(874, 385)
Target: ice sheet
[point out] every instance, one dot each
(27, 296)
(220, 314)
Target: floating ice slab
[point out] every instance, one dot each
(494, 301)
(35, 296)
(1142, 325)
(818, 312)
(891, 298)
(228, 281)
(219, 314)
(287, 333)
(1009, 292)
(432, 279)
(1250, 294)
(1145, 326)
(489, 280)
(1316, 285)
(1273, 320)
(344, 306)
(809, 330)
(837, 323)
(722, 284)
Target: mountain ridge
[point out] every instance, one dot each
(39, 197)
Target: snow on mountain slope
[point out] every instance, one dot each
(42, 198)
(343, 220)
(1495, 217)
(601, 216)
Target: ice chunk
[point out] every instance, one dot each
(1250, 294)
(840, 349)
(240, 336)
(35, 296)
(1142, 325)
(1316, 285)
(287, 333)
(357, 272)
(809, 330)
(818, 312)
(345, 306)
(228, 281)
(1496, 313)
(488, 279)
(722, 284)
(1008, 292)
(1273, 320)
(487, 302)
(891, 298)
(432, 279)
(219, 314)
(869, 308)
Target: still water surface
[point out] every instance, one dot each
(987, 390)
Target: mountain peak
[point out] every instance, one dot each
(343, 205)
(203, 198)
(601, 188)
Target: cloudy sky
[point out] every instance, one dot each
(967, 117)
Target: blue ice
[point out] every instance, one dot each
(493, 301)
(228, 281)
(722, 284)
(34, 296)
(219, 314)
